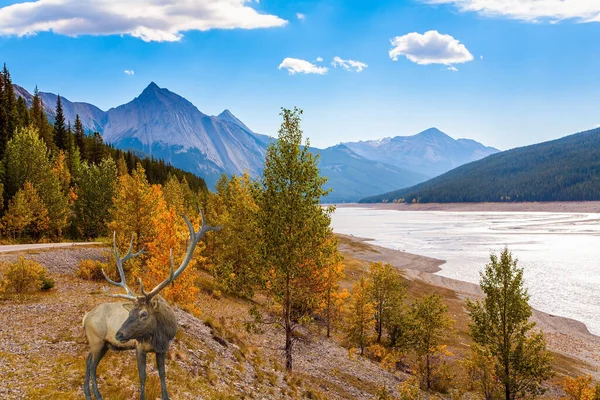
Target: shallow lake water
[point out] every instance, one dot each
(560, 252)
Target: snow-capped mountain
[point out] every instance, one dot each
(430, 152)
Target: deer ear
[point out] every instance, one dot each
(154, 304)
(128, 306)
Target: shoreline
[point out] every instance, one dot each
(564, 335)
(554, 206)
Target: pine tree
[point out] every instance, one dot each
(61, 137)
(23, 118)
(500, 325)
(80, 138)
(362, 315)
(8, 110)
(40, 121)
(97, 151)
(294, 226)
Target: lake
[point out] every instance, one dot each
(560, 252)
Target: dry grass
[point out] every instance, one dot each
(212, 357)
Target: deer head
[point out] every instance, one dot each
(148, 316)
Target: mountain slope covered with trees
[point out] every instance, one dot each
(58, 181)
(566, 169)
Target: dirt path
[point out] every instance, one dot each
(10, 248)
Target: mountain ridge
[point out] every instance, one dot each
(565, 169)
(165, 125)
(430, 152)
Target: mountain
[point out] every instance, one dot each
(566, 169)
(90, 115)
(164, 125)
(350, 175)
(430, 152)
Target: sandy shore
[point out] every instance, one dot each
(567, 206)
(564, 335)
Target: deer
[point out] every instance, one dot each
(146, 323)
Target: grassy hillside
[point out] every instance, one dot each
(43, 347)
(566, 169)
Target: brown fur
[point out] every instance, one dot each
(152, 334)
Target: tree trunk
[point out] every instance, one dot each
(288, 347)
(288, 326)
(428, 372)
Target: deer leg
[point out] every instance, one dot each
(86, 383)
(160, 364)
(94, 365)
(141, 363)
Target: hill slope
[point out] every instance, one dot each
(430, 152)
(566, 169)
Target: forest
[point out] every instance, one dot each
(566, 169)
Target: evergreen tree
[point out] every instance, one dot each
(61, 137)
(294, 227)
(8, 110)
(97, 150)
(40, 121)
(23, 118)
(500, 325)
(80, 138)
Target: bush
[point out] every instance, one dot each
(24, 275)
(47, 283)
(91, 270)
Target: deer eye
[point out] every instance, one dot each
(143, 314)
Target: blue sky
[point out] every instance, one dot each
(524, 74)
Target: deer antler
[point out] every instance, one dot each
(194, 239)
(123, 284)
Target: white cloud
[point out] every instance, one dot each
(481, 57)
(452, 68)
(300, 16)
(129, 72)
(149, 20)
(319, 59)
(531, 10)
(294, 65)
(430, 48)
(349, 65)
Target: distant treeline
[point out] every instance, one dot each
(48, 170)
(566, 169)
